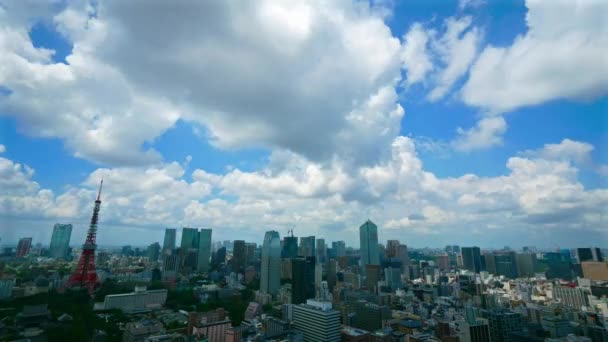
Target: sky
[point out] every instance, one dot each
(445, 122)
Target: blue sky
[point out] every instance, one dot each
(290, 125)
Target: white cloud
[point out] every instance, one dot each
(440, 58)
(252, 75)
(561, 56)
(2, 148)
(485, 134)
(457, 49)
(414, 55)
(538, 192)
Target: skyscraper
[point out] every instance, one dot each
(321, 251)
(368, 238)
(189, 240)
(169, 242)
(290, 247)
(239, 256)
(60, 241)
(23, 248)
(271, 263)
(307, 246)
(303, 284)
(506, 264)
(153, 252)
(392, 248)
(471, 259)
(339, 248)
(204, 250)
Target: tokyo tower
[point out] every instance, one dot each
(85, 274)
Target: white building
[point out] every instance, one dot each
(317, 321)
(139, 301)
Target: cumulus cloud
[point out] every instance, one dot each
(485, 134)
(561, 56)
(306, 77)
(439, 58)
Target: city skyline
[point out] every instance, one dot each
(425, 118)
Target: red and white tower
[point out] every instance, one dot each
(85, 274)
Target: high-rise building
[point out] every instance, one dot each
(597, 254)
(368, 238)
(190, 239)
(332, 273)
(471, 259)
(317, 321)
(392, 248)
(443, 262)
(339, 248)
(584, 254)
(153, 252)
(321, 251)
(60, 241)
(478, 331)
(506, 264)
(23, 248)
(403, 256)
(169, 241)
(370, 316)
(526, 264)
(489, 262)
(290, 247)
(271, 263)
(239, 256)
(307, 247)
(250, 248)
(372, 277)
(204, 250)
(303, 284)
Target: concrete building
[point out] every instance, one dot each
(502, 324)
(141, 330)
(141, 300)
(317, 321)
(526, 264)
(574, 297)
(239, 256)
(270, 280)
(60, 241)
(595, 270)
(321, 251)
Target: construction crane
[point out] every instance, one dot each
(290, 231)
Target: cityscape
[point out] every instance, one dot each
(303, 171)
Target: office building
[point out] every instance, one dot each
(392, 248)
(271, 263)
(290, 247)
(307, 247)
(584, 254)
(169, 241)
(190, 239)
(239, 256)
(526, 264)
(332, 273)
(368, 239)
(211, 325)
(338, 248)
(370, 316)
(60, 241)
(443, 262)
(506, 264)
(153, 252)
(250, 253)
(502, 324)
(471, 259)
(303, 284)
(476, 331)
(321, 251)
(141, 300)
(317, 321)
(573, 297)
(595, 270)
(23, 248)
(204, 250)
(403, 256)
